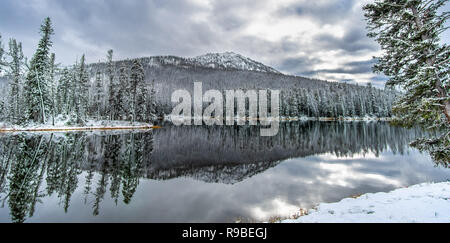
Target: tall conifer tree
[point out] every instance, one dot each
(37, 81)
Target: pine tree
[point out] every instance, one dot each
(142, 96)
(351, 110)
(82, 96)
(368, 100)
(340, 109)
(362, 107)
(98, 99)
(112, 87)
(313, 101)
(408, 32)
(74, 103)
(324, 105)
(52, 86)
(415, 60)
(296, 103)
(293, 104)
(37, 83)
(151, 103)
(97, 94)
(63, 93)
(121, 98)
(137, 78)
(373, 104)
(15, 74)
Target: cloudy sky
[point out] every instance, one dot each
(323, 39)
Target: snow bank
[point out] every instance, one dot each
(61, 124)
(420, 203)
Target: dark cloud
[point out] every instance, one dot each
(136, 28)
(354, 40)
(323, 12)
(132, 27)
(298, 65)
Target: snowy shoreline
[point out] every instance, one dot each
(427, 203)
(89, 126)
(171, 118)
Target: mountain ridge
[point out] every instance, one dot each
(218, 61)
(229, 71)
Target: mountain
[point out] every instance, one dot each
(221, 71)
(231, 60)
(231, 71)
(217, 61)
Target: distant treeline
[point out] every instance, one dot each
(341, 101)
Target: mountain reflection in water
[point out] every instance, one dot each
(55, 170)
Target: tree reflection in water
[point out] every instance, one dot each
(33, 166)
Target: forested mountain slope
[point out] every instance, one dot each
(229, 71)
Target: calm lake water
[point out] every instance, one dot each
(202, 174)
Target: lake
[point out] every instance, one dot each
(203, 174)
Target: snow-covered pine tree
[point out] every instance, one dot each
(122, 97)
(113, 92)
(368, 100)
(293, 106)
(408, 32)
(142, 96)
(351, 110)
(314, 101)
(297, 100)
(37, 95)
(362, 106)
(151, 103)
(302, 103)
(98, 98)
(137, 78)
(52, 84)
(340, 109)
(415, 60)
(324, 104)
(63, 93)
(15, 74)
(78, 87)
(284, 104)
(83, 90)
(307, 105)
(373, 100)
(288, 104)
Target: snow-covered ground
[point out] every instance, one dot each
(426, 202)
(61, 124)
